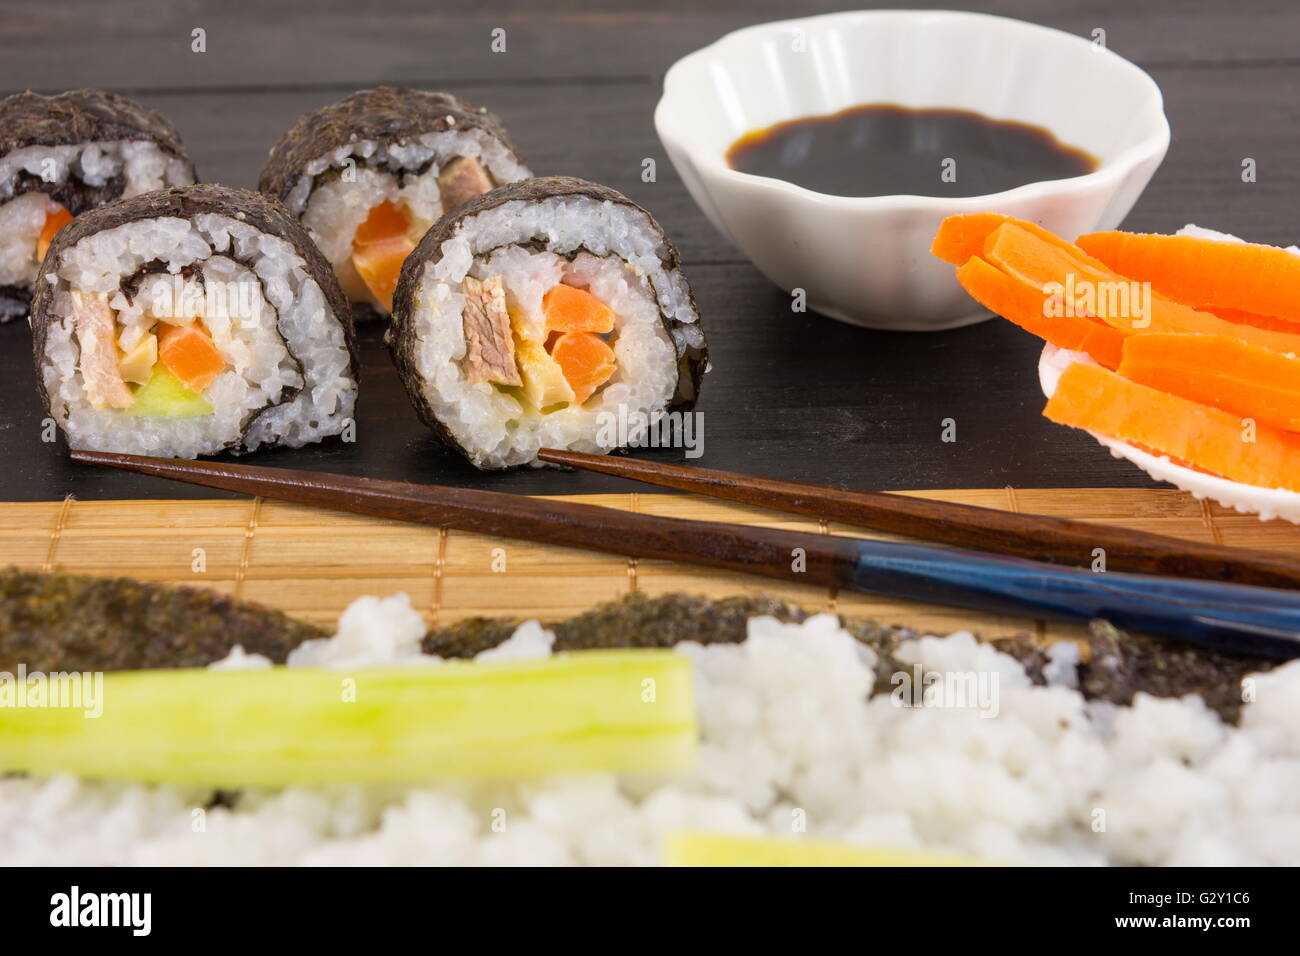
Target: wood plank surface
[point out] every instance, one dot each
(790, 395)
(340, 43)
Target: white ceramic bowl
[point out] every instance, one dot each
(867, 260)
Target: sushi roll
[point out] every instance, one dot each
(61, 155)
(371, 173)
(539, 314)
(191, 321)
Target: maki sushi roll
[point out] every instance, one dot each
(191, 321)
(61, 155)
(541, 314)
(371, 173)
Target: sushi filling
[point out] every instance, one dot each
(563, 366)
(565, 269)
(27, 225)
(58, 176)
(156, 348)
(207, 334)
(367, 205)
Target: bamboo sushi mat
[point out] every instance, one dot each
(312, 563)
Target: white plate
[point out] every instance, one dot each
(1268, 503)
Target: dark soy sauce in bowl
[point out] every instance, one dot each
(886, 150)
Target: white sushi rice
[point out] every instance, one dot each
(338, 208)
(794, 744)
(262, 372)
(436, 147)
(142, 165)
(331, 210)
(619, 264)
(21, 223)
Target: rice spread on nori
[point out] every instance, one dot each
(1008, 762)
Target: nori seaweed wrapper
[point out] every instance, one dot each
(73, 118)
(385, 114)
(402, 340)
(63, 622)
(264, 213)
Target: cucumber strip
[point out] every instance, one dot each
(615, 710)
(715, 849)
(165, 396)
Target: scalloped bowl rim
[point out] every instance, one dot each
(1108, 174)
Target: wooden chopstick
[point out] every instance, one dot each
(763, 551)
(1037, 537)
(1257, 621)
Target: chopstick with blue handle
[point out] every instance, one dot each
(1239, 618)
(1067, 541)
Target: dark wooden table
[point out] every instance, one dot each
(798, 396)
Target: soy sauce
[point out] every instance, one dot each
(885, 150)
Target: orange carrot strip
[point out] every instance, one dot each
(1218, 370)
(54, 221)
(586, 361)
(1242, 317)
(570, 309)
(189, 353)
(961, 237)
(379, 247)
(1089, 396)
(1021, 254)
(1024, 304)
(1264, 280)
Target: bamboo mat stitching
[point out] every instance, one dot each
(57, 533)
(832, 592)
(440, 562)
(249, 530)
(633, 503)
(1208, 515)
(1013, 505)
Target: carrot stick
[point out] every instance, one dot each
(1218, 370)
(189, 353)
(1024, 304)
(1242, 317)
(379, 247)
(961, 237)
(54, 221)
(569, 309)
(1202, 273)
(1219, 442)
(586, 360)
(1028, 257)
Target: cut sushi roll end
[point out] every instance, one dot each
(62, 155)
(540, 314)
(370, 174)
(189, 322)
